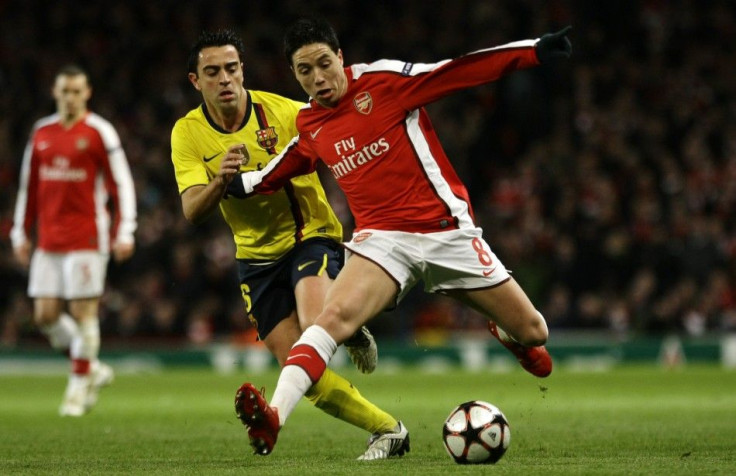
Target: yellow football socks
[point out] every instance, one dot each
(336, 396)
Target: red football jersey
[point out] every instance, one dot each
(379, 144)
(67, 178)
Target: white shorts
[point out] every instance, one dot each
(454, 259)
(73, 275)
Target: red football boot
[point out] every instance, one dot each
(535, 360)
(261, 420)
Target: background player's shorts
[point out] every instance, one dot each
(268, 288)
(72, 275)
(454, 259)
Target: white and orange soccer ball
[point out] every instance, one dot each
(476, 432)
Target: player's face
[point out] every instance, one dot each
(319, 70)
(71, 94)
(220, 78)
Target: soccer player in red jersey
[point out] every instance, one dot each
(413, 219)
(73, 164)
(287, 244)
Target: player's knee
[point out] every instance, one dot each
(536, 332)
(337, 320)
(43, 319)
(540, 330)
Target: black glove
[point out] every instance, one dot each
(235, 188)
(554, 46)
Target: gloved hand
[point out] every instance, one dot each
(554, 46)
(235, 188)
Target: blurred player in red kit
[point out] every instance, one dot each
(413, 218)
(72, 166)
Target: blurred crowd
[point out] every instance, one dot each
(606, 184)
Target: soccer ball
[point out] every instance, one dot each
(476, 432)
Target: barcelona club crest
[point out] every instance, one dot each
(363, 102)
(267, 138)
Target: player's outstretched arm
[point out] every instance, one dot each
(291, 163)
(554, 46)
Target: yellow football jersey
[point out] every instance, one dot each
(265, 227)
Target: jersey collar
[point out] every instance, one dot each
(246, 117)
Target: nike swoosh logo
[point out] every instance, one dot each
(314, 134)
(207, 159)
(304, 265)
(297, 355)
(488, 272)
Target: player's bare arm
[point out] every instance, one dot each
(200, 201)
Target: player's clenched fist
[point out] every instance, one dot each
(554, 46)
(231, 163)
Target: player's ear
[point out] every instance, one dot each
(339, 56)
(193, 79)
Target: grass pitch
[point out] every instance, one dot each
(631, 420)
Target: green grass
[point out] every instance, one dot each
(632, 420)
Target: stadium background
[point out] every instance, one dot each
(607, 184)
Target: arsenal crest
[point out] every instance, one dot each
(82, 143)
(363, 102)
(267, 138)
(362, 236)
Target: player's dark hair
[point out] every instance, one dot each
(307, 31)
(214, 38)
(72, 69)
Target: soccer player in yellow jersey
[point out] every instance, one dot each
(288, 243)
